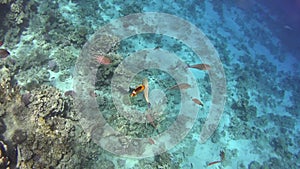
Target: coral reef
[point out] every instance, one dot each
(47, 102)
(17, 15)
(32, 78)
(6, 1)
(42, 126)
(105, 73)
(162, 161)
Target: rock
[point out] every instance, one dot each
(19, 136)
(215, 137)
(254, 165)
(8, 155)
(2, 126)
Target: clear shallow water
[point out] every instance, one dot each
(257, 44)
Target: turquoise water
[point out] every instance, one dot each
(219, 84)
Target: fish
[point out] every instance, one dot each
(197, 101)
(288, 27)
(103, 60)
(214, 162)
(26, 98)
(70, 93)
(137, 90)
(1, 43)
(180, 86)
(92, 94)
(150, 120)
(200, 66)
(222, 156)
(4, 53)
(151, 141)
(146, 91)
(157, 47)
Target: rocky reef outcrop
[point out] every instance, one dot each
(39, 128)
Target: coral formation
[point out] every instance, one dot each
(33, 78)
(8, 155)
(162, 161)
(47, 102)
(44, 129)
(17, 15)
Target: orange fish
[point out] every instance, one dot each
(4, 53)
(137, 90)
(180, 86)
(200, 66)
(103, 60)
(197, 101)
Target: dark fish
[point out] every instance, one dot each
(131, 90)
(150, 120)
(26, 98)
(222, 155)
(157, 47)
(1, 43)
(200, 66)
(197, 101)
(180, 86)
(71, 93)
(4, 53)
